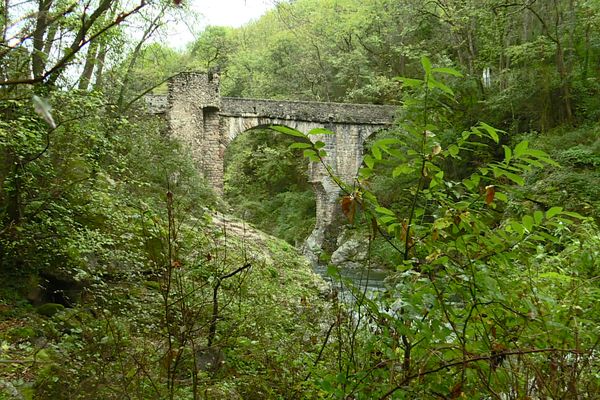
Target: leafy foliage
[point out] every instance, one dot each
(265, 182)
(477, 305)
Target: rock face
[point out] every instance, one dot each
(56, 287)
(351, 254)
(207, 123)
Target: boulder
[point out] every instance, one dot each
(350, 254)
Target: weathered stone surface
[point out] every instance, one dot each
(207, 123)
(311, 111)
(156, 103)
(351, 254)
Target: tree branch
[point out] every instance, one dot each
(491, 357)
(75, 48)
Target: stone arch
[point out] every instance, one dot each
(325, 189)
(231, 126)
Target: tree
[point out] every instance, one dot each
(75, 24)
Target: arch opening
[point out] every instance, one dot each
(267, 184)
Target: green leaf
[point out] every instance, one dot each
(408, 82)
(453, 150)
(319, 144)
(320, 131)
(501, 197)
(432, 83)
(537, 153)
(573, 214)
(514, 177)
(493, 132)
(517, 227)
(383, 210)
(386, 219)
(288, 131)
(309, 153)
(365, 173)
(472, 182)
(507, 153)
(369, 161)
(376, 152)
(388, 141)
(426, 63)
(402, 169)
(521, 148)
(538, 216)
(300, 145)
(528, 222)
(448, 71)
(396, 153)
(553, 211)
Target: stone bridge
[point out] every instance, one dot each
(207, 123)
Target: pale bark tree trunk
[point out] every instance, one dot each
(52, 30)
(80, 37)
(100, 66)
(38, 57)
(91, 59)
(154, 25)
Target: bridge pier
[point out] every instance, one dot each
(206, 122)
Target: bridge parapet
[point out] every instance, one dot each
(309, 111)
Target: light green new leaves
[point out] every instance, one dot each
(320, 131)
(426, 63)
(448, 71)
(300, 145)
(430, 79)
(491, 131)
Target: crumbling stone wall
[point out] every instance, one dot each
(193, 107)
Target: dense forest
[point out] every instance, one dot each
(123, 275)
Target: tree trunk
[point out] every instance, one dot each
(154, 24)
(100, 65)
(80, 38)
(50, 39)
(565, 87)
(5, 17)
(38, 57)
(88, 69)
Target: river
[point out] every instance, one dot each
(371, 280)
